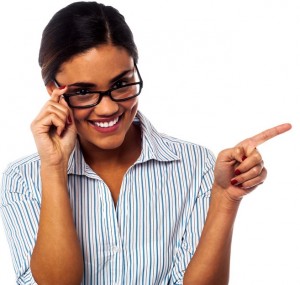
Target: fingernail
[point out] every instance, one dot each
(244, 157)
(237, 172)
(62, 87)
(234, 182)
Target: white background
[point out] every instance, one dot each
(215, 72)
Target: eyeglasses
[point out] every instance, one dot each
(83, 98)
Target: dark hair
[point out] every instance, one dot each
(79, 27)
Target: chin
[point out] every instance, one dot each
(109, 146)
(110, 143)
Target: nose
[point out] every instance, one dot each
(106, 107)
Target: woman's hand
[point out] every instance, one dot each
(240, 170)
(54, 130)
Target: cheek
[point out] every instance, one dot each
(131, 105)
(80, 115)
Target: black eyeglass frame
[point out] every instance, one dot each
(67, 96)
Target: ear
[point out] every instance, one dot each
(50, 87)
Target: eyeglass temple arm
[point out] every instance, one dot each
(56, 83)
(138, 72)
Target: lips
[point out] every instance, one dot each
(106, 125)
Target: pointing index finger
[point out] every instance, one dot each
(268, 134)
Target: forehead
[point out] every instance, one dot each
(98, 64)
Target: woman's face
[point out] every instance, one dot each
(105, 125)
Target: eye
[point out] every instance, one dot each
(81, 91)
(119, 84)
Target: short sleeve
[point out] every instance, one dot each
(20, 215)
(195, 225)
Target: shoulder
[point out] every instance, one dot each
(20, 180)
(24, 161)
(188, 150)
(26, 165)
(174, 148)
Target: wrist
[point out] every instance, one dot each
(223, 200)
(54, 170)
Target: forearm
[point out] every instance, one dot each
(56, 257)
(211, 261)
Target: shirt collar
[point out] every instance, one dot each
(154, 146)
(77, 164)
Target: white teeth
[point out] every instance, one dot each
(107, 124)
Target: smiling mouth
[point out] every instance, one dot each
(107, 124)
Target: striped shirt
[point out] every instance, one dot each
(151, 234)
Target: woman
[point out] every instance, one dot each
(108, 199)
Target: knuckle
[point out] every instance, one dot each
(256, 170)
(238, 150)
(49, 108)
(55, 119)
(257, 156)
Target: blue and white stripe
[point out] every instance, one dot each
(151, 234)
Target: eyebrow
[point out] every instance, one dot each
(88, 84)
